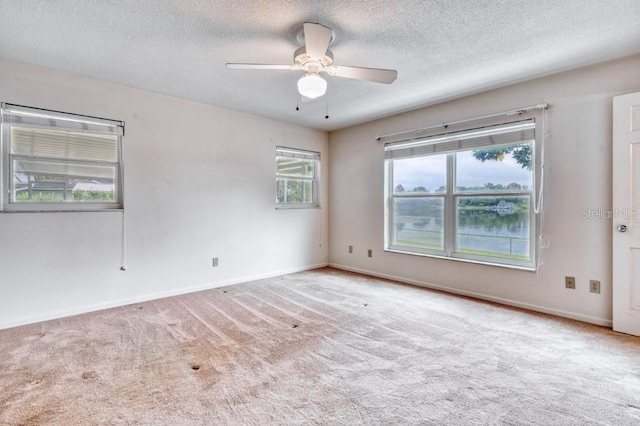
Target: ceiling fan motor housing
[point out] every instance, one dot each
(303, 61)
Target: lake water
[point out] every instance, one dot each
(479, 231)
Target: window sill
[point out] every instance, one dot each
(292, 207)
(11, 211)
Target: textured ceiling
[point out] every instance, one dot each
(441, 48)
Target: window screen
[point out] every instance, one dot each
(59, 161)
(296, 177)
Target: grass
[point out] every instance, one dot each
(435, 246)
(494, 254)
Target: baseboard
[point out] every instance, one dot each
(503, 301)
(147, 297)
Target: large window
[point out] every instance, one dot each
(296, 178)
(59, 161)
(465, 195)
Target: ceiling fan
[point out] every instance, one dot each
(315, 58)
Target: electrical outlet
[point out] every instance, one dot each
(594, 286)
(370, 253)
(350, 249)
(214, 262)
(570, 282)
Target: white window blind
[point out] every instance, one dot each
(297, 153)
(34, 117)
(502, 134)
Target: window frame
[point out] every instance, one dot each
(83, 124)
(450, 202)
(314, 158)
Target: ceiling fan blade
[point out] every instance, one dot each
(260, 67)
(316, 40)
(369, 74)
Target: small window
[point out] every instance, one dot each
(58, 161)
(465, 195)
(296, 178)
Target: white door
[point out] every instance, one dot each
(626, 214)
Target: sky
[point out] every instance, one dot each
(430, 171)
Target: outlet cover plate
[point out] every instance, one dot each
(570, 282)
(594, 286)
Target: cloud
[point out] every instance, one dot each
(430, 171)
(473, 172)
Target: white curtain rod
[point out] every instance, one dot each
(517, 111)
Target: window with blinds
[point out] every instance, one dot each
(59, 161)
(466, 195)
(296, 178)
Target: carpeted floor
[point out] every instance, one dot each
(319, 347)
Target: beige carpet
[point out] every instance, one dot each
(319, 347)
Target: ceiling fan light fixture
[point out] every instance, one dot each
(312, 86)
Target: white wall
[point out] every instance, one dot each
(578, 171)
(199, 182)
